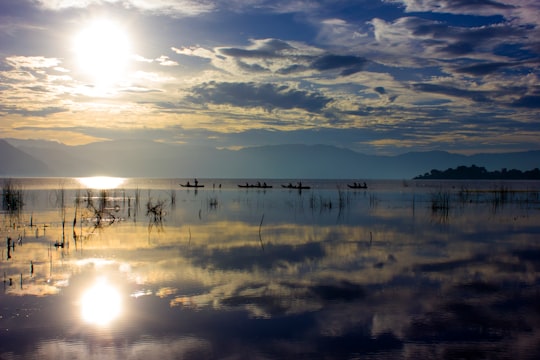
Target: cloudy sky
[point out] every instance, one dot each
(376, 76)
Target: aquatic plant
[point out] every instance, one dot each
(440, 201)
(212, 202)
(12, 197)
(155, 213)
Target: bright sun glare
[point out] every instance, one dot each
(101, 303)
(101, 182)
(102, 49)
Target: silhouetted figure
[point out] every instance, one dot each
(196, 181)
(31, 268)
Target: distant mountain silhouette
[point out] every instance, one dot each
(14, 162)
(137, 158)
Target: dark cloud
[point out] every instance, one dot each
(476, 4)
(348, 63)
(380, 90)
(479, 96)
(529, 101)
(251, 67)
(269, 48)
(292, 69)
(483, 69)
(458, 48)
(267, 96)
(30, 112)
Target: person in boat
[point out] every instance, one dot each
(196, 181)
(264, 184)
(365, 185)
(187, 184)
(299, 184)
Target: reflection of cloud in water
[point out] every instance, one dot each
(388, 281)
(184, 348)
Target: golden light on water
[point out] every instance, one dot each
(101, 182)
(101, 303)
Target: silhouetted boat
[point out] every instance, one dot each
(191, 185)
(255, 186)
(357, 186)
(297, 187)
(195, 184)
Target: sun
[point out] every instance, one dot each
(102, 50)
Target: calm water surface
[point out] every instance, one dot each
(148, 269)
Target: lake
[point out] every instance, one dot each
(144, 268)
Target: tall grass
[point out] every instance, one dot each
(12, 197)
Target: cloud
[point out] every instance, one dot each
(529, 101)
(348, 63)
(479, 7)
(32, 62)
(266, 48)
(277, 57)
(167, 7)
(267, 96)
(479, 96)
(166, 61)
(483, 69)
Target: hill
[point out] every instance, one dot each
(136, 158)
(480, 173)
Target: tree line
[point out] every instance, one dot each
(478, 172)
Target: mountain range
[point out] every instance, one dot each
(137, 158)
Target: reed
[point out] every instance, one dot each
(12, 197)
(440, 201)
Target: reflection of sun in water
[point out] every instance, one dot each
(101, 304)
(101, 182)
(102, 50)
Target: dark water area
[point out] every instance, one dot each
(144, 268)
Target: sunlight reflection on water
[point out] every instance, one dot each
(101, 182)
(101, 303)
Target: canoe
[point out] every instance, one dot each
(254, 186)
(297, 187)
(357, 186)
(191, 185)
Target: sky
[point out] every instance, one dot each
(376, 76)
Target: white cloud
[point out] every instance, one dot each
(32, 62)
(166, 61)
(169, 7)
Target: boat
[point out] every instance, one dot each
(188, 185)
(194, 185)
(297, 187)
(357, 186)
(255, 186)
